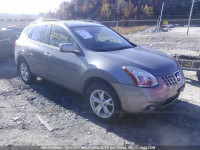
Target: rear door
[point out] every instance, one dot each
(35, 48)
(62, 67)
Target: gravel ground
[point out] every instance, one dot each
(178, 125)
(174, 41)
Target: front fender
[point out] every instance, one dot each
(97, 73)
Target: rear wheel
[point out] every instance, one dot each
(25, 73)
(198, 75)
(103, 102)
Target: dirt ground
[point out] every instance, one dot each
(178, 125)
(174, 41)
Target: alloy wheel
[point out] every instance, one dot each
(24, 72)
(101, 103)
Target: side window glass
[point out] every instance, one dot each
(39, 33)
(28, 31)
(59, 36)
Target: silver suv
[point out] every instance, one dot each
(113, 74)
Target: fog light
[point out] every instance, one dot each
(150, 108)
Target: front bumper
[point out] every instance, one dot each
(135, 99)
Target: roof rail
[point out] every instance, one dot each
(94, 21)
(50, 19)
(44, 20)
(85, 21)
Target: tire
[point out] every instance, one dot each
(198, 75)
(27, 76)
(108, 107)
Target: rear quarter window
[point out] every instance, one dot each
(39, 33)
(28, 31)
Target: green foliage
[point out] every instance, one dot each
(124, 9)
(106, 11)
(148, 11)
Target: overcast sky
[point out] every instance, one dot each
(28, 6)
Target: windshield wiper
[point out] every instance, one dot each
(100, 50)
(124, 47)
(112, 49)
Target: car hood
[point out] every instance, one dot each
(153, 61)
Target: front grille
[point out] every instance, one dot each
(170, 79)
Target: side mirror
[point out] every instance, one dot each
(66, 47)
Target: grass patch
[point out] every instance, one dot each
(129, 30)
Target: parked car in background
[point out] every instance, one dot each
(5, 44)
(113, 74)
(8, 36)
(16, 30)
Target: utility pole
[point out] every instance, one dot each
(129, 2)
(190, 17)
(161, 15)
(193, 1)
(159, 21)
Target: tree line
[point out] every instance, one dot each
(124, 9)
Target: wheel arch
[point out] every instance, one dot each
(19, 58)
(94, 79)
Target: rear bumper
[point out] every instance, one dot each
(135, 99)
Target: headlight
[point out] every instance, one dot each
(141, 77)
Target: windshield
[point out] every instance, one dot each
(100, 39)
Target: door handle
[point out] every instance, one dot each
(47, 54)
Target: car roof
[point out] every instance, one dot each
(82, 23)
(71, 23)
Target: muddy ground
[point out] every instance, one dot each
(178, 125)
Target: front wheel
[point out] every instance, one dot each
(25, 72)
(103, 102)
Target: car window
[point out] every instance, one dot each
(100, 38)
(28, 31)
(39, 33)
(104, 36)
(59, 36)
